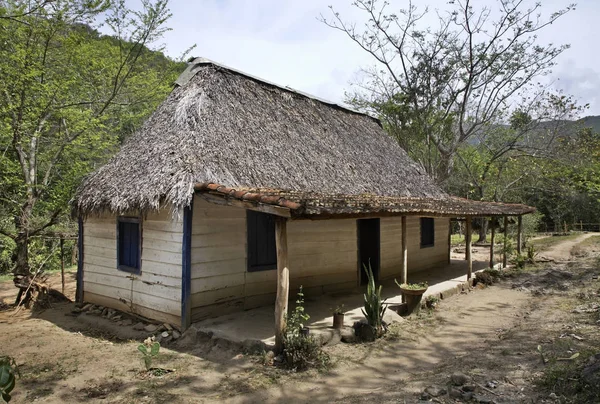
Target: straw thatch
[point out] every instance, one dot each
(224, 127)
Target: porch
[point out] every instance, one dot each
(255, 327)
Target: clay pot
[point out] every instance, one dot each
(338, 320)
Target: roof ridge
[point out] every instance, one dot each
(195, 63)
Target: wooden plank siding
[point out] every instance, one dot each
(418, 258)
(322, 258)
(156, 291)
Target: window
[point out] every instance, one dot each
(129, 244)
(262, 253)
(427, 232)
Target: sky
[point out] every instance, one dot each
(283, 42)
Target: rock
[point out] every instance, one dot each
(348, 335)
(127, 322)
(364, 332)
(87, 307)
(117, 318)
(553, 396)
(168, 327)
(76, 310)
(455, 393)
(467, 396)
(176, 334)
(469, 387)
(425, 396)
(253, 346)
(151, 328)
(189, 337)
(458, 378)
(435, 391)
(482, 399)
(139, 326)
(164, 334)
(278, 359)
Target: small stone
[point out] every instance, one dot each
(151, 328)
(469, 387)
(278, 359)
(467, 396)
(117, 318)
(435, 391)
(127, 322)
(165, 334)
(87, 307)
(176, 334)
(139, 326)
(482, 399)
(76, 310)
(455, 393)
(425, 396)
(553, 396)
(168, 327)
(458, 378)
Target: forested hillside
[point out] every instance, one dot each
(69, 97)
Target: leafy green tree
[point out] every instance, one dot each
(441, 85)
(68, 96)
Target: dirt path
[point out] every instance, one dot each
(562, 251)
(490, 334)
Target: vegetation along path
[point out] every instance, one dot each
(505, 338)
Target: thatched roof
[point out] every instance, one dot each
(224, 127)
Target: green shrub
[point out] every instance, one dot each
(301, 351)
(374, 307)
(8, 368)
(520, 261)
(485, 278)
(531, 254)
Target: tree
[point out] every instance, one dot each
(501, 158)
(435, 88)
(67, 97)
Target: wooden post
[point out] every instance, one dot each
(504, 258)
(492, 241)
(519, 234)
(404, 255)
(468, 248)
(449, 241)
(283, 281)
(62, 263)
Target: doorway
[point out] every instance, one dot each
(368, 247)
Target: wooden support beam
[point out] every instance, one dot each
(283, 281)
(504, 258)
(492, 242)
(403, 254)
(520, 235)
(468, 246)
(449, 241)
(257, 206)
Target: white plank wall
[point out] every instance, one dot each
(156, 292)
(418, 258)
(322, 256)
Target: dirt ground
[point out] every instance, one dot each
(493, 335)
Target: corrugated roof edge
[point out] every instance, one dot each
(194, 63)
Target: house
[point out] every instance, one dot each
(236, 190)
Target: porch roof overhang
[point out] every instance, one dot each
(312, 205)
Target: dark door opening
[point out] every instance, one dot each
(368, 247)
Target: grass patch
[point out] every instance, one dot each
(546, 243)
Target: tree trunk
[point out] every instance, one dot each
(21, 255)
(483, 226)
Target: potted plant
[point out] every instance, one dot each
(413, 293)
(338, 316)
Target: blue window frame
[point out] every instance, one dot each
(129, 244)
(262, 253)
(427, 232)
